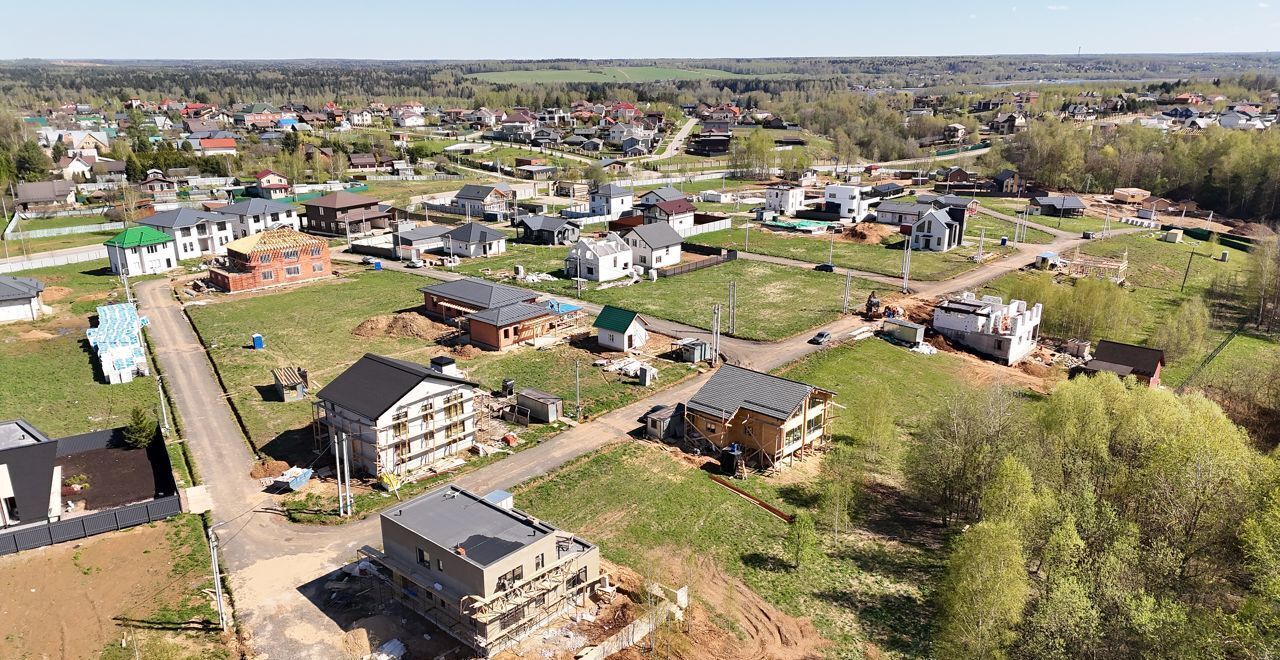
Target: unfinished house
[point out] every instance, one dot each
(770, 419)
(481, 570)
(1084, 265)
(1006, 333)
(1125, 360)
(399, 417)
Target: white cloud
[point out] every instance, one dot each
(1263, 5)
(1057, 7)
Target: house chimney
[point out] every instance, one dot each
(445, 365)
(462, 552)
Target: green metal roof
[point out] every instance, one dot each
(138, 237)
(615, 319)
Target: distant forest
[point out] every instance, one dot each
(33, 83)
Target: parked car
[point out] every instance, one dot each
(826, 268)
(415, 263)
(821, 338)
(367, 260)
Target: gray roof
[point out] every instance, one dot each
(611, 191)
(178, 218)
(544, 222)
(951, 200)
(913, 208)
(451, 517)
(255, 207)
(474, 232)
(479, 293)
(508, 314)
(666, 193)
(731, 388)
(410, 236)
(475, 191)
(19, 288)
(375, 383)
(18, 433)
(656, 235)
(44, 191)
(1060, 202)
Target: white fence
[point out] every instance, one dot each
(56, 260)
(60, 231)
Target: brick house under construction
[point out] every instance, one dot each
(771, 419)
(481, 570)
(271, 258)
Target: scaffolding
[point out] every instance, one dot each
(1083, 265)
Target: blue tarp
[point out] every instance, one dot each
(561, 308)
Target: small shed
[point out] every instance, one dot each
(904, 331)
(291, 383)
(1172, 236)
(694, 350)
(543, 407)
(620, 329)
(1048, 260)
(657, 423)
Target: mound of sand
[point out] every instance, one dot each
(404, 325)
(1254, 230)
(267, 468)
(36, 335)
(869, 233)
(53, 294)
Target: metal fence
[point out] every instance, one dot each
(689, 267)
(63, 231)
(58, 260)
(84, 526)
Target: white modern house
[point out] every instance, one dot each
(141, 250)
(195, 233)
(257, 215)
(846, 200)
(936, 231)
(1007, 333)
(678, 213)
(20, 299)
(784, 200)
(475, 240)
(655, 245)
(599, 259)
(611, 200)
(620, 329)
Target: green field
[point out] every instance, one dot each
(299, 334)
(996, 228)
(884, 258)
(610, 74)
(48, 376)
(652, 512)
(399, 192)
(1013, 206)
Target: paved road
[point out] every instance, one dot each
(673, 147)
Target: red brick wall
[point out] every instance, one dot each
(249, 269)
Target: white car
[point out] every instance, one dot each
(415, 263)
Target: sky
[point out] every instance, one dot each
(519, 29)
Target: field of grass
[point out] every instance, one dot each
(996, 228)
(611, 74)
(649, 510)
(399, 192)
(1013, 206)
(884, 258)
(48, 375)
(694, 187)
(31, 246)
(817, 145)
(534, 258)
(552, 371)
(310, 327)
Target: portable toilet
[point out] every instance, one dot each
(258, 342)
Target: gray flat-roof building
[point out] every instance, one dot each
(483, 571)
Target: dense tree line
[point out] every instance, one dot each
(1109, 521)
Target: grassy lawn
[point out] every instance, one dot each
(48, 375)
(399, 192)
(885, 258)
(534, 258)
(552, 371)
(33, 246)
(693, 187)
(305, 327)
(996, 228)
(613, 74)
(32, 224)
(817, 145)
(647, 507)
(1013, 206)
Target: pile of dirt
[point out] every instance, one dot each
(869, 233)
(402, 325)
(36, 335)
(465, 351)
(267, 468)
(1254, 230)
(53, 294)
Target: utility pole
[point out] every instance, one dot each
(733, 306)
(848, 281)
(982, 238)
(164, 410)
(217, 576)
(906, 266)
(831, 249)
(1187, 272)
(577, 390)
(715, 333)
(746, 240)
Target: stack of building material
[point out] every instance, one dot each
(117, 341)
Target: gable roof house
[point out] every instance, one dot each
(159, 187)
(599, 259)
(1007, 181)
(271, 258)
(343, 213)
(611, 200)
(620, 329)
(483, 201)
(195, 233)
(768, 418)
(455, 299)
(269, 184)
(475, 240)
(654, 245)
(547, 230)
(935, 231)
(1144, 364)
(663, 194)
(901, 213)
(251, 216)
(141, 250)
(1063, 206)
(396, 416)
(678, 213)
(1008, 123)
(20, 299)
(45, 194)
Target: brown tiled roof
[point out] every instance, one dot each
(342, 200)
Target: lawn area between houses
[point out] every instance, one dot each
(34, 246)
(997, 227)
(58, 222)
(78, 600)
(311, 327)
(884, 258)
(399, 192)
(48, 374)
(872, 583)
(1013, 206)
